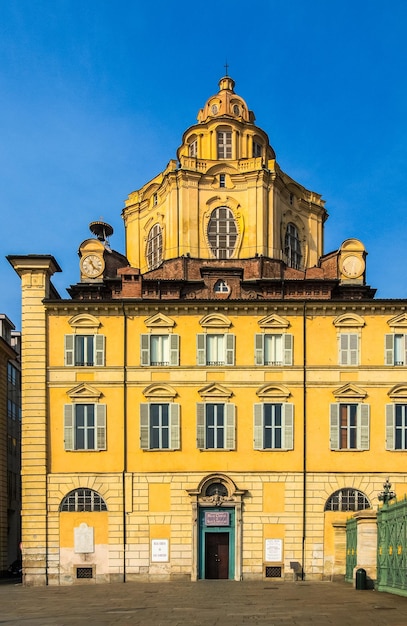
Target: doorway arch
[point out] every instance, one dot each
(216, 528)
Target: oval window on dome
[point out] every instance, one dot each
(236, 109)
(154, 247)
(222, 233)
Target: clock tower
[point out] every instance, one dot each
(351, 262)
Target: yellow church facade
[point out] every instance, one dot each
(218, 401)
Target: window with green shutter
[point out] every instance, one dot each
(348, 349)
(273, 426)
(85, 427)
(159, 426)
(215, 349)
(273, 349)
(84, 350)
(159, 350)
(395, 349)
(215, 426)
(396, 426)
(349, 426)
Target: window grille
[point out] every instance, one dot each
(83, 500)
(221, 287)
(84, 572)
(293, 247)
(222, 233)
(216, 489)
(154, 247)
(347, 500)
(273, 571)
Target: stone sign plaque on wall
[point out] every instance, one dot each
(273, 550)
(217, 518)
(159, 550)
(83, 538)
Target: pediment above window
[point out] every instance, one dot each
(84, 321)
(400, 321)
(349, 392)
(273, 321)
(84, 392)
(214, 390)
(215, 201)
(159, 321)
(150, 190)
(160, 391)
(349, 320)
(398, 392)
(221, 168)
(215, 320)
(275, 392)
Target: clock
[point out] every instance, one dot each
(353, 266)
(92, 265)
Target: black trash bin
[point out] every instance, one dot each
(361, 578)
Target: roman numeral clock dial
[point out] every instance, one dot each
(92, 265)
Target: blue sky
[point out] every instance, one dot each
(95, 96)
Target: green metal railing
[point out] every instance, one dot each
(351, 548)
(392, 548)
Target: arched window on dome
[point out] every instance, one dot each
(222, 232)
(224, 144)
(257, 147)
(293, 247)
(347, 499)
(193, 146)
(154, 247)
(81, 499)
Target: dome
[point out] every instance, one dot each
(226, 103)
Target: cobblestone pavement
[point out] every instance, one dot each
(204, 603)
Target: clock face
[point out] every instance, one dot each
(353, 266)
(92, 265)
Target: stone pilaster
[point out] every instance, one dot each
(35, 272)
(367, 544)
